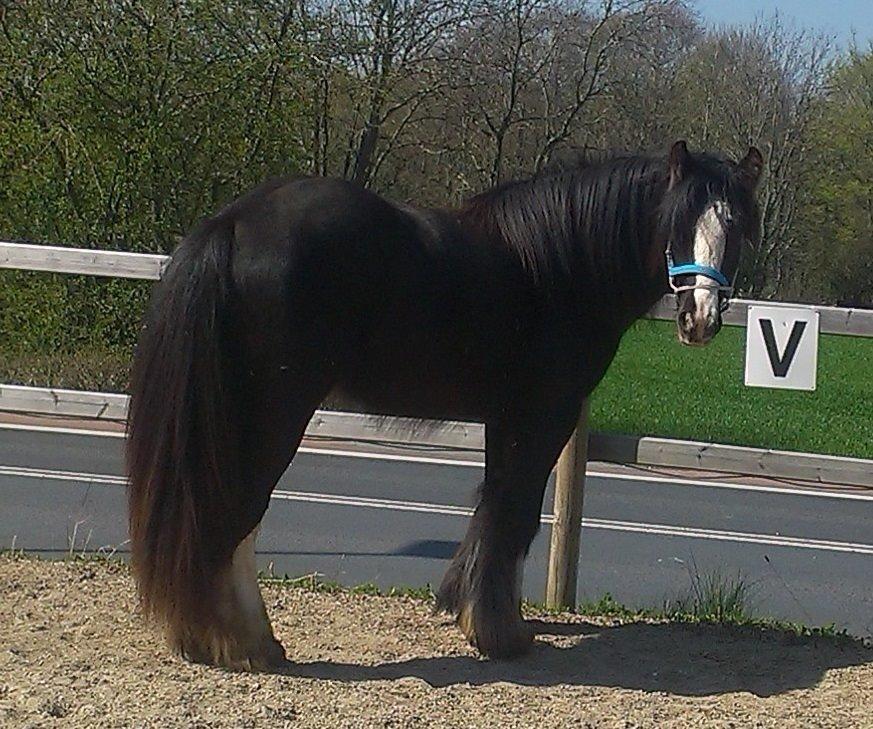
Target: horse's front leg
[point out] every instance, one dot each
(483, 585)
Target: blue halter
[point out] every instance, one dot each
(695, 269)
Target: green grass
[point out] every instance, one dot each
(89, 368)
(655, 386)
(712, 600)
(315, 582)
(714, 597)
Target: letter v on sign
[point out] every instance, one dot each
(780, 363)
(782, 347)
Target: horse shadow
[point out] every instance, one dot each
(682, 659)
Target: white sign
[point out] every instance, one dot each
(781, 347)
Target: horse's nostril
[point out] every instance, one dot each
(687, 321)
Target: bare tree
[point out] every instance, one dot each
(640, 110)
(759, 85)
(530, 77)
(584, 67)
(378, 61)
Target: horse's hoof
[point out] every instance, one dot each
(500, 639)
(274, 654)
(507, 643)
(268, 654)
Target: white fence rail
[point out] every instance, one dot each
(455, 435)
(832, 319)
(116, 264)
(55, 259)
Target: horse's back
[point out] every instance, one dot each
(408, 309)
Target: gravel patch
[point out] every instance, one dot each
(75, 652)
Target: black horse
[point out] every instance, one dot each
(507, 311)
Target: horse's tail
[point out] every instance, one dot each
(182, 453)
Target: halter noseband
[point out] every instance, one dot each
(696, 269)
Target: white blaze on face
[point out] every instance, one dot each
(710, 238)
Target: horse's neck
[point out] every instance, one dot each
(636, 277)
(644, 294)
(611, 267)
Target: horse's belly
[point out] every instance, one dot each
(424, 391)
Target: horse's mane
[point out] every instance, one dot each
(592, 216)
(573, 216)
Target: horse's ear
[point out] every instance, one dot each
(677, 161)
(751, 166)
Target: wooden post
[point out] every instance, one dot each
(566, 530)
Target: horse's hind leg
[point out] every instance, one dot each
(483, 584)
(272, 422)
(247, 642)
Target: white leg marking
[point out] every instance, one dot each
(244, 573)
(245, 595)
(246, 638)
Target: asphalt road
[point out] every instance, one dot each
(357, 515)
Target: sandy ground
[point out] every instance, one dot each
(74, 652)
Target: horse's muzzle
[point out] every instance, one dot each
(693, 334)
(699, 318)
